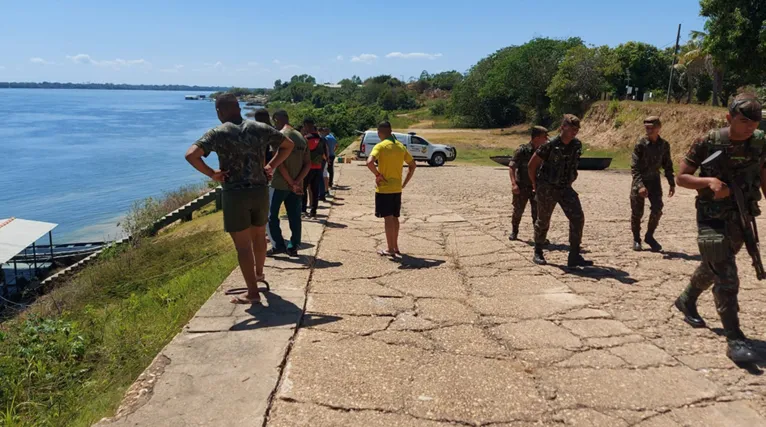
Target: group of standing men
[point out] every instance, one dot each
(262, 167)
(542, 173)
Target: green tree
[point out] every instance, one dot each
(446, 80)
(644, 66)
(581, 78)
(736, 39)
(525, 72)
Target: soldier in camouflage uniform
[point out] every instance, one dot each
(241, 147)
(559, 158)
(720, 235)
(651, 153)
(520, 183)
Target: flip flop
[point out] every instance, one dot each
(239, 299)
(384, 253)
(262, 279)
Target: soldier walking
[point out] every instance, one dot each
(520, 183)
(651, 153)
(720, 234)
(559, 158)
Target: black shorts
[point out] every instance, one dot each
(388, 204)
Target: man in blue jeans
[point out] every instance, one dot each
(287, 188)
(332, 145)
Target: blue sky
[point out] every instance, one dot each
(254, 43)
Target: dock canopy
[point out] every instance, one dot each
(18, 234)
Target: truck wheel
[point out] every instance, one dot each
(438, 159)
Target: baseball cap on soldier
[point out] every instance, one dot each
(539, 130)
(748, 106)
(653, 120)
(571, 120)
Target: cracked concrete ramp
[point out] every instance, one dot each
(464, 330)
(223, 367)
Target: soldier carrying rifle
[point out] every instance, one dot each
(730, 184)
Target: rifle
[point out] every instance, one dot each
(746, 221)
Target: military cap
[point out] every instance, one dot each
(653, 120)
(539, 130)
(747, 105)
(572, 120)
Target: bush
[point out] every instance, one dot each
(614, 108)
(143, 213)
(438, 107)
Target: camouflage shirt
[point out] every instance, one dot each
(648, 158)
(241, 150)
(520, 162)
(745, 160)
(560, 162)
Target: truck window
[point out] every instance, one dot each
(418, 140)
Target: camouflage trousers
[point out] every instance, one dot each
(720, 272)
(637, 203)
(526, 194)
(547, 196)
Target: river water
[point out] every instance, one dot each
(80, 158)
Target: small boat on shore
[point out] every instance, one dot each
(586, 163)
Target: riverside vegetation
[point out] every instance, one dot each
(70, 356)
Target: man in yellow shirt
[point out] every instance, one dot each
(390, 155)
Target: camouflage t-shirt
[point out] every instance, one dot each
(745, 159)
(520, 161)
(560, 161)
(648, 158)
(241, 150)
(294, 162)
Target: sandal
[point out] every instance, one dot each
(383, 252)
(245, 300)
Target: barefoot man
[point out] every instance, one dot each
(241, 147)
(390, 155)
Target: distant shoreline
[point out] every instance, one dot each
(110, 86)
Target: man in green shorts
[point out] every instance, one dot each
(241, 147)
(390, 155)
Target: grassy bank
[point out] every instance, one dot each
(69, 358)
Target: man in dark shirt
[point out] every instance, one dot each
(559, 159)
(720, 233)
(650, 154)
(241, 147)
(317, 153)
(520, 183)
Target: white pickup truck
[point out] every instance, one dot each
(419, 148)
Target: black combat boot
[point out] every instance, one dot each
(539, 259)
(741, 351)
(739, 348)
(653, 244)
(514, 234)
(654, 221)
(686, 303)
(576, 260)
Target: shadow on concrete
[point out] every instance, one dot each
(407, 262)
(556, 247)
(760, 348)
(680, 255)
(329, 224)
(309, 261)
(278, 312)
(598, 273)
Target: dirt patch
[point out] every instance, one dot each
(619, 126)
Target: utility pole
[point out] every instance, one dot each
(673, 66)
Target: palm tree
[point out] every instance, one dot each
(696, 60)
